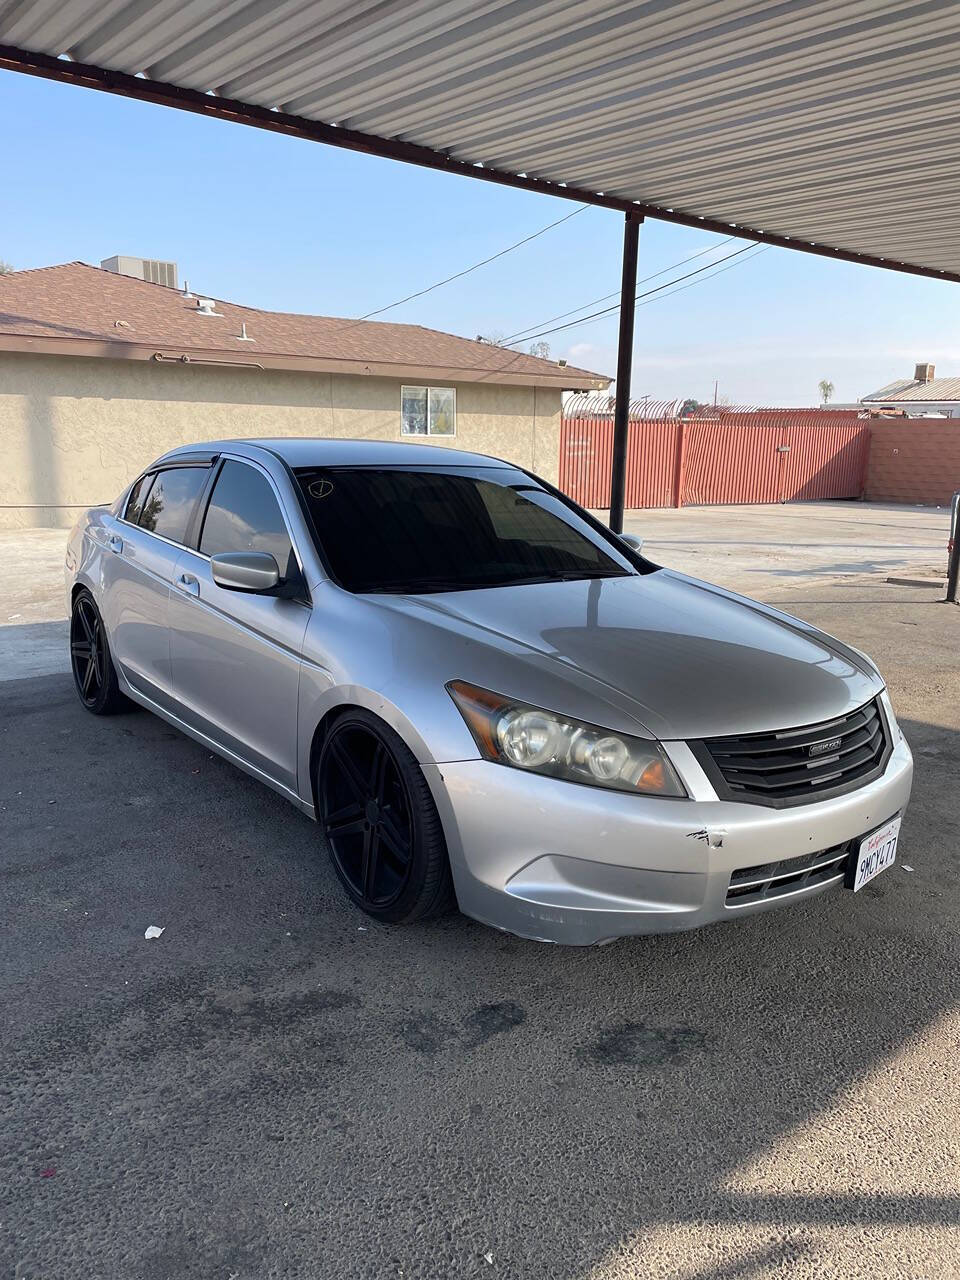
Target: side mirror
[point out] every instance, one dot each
(245, 571)
(632, 541)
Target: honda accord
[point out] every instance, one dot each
(481, 694)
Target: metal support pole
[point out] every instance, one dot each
(621, 412)
(953, 564)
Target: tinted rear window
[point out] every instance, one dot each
(138, 495)
(392, 530)
(168, 508)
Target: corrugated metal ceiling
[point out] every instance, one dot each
(823, 122)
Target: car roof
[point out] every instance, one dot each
(316, 451)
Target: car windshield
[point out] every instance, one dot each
(393, 530)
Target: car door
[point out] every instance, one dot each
(236, 654)
(143, 546)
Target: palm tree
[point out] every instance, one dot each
(826, 390)
(5, 268)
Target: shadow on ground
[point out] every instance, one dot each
(280, 1087)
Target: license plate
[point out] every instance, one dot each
(877, 852)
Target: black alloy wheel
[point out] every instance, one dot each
(381, 824)
(93, 672)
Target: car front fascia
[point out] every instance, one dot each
(551, 861)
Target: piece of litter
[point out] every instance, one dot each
(361, 928)
(906, 866)
(153, 931)
(12, 616)
(488, 1259)
(48, 1173)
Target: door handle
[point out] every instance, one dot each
(189, 584)
(115, 543)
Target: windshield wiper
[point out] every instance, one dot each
(414, 585)
(573, 575)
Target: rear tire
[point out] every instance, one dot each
(94, 675)
(380, 822)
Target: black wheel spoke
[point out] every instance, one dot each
(80, 649)
(88, 676)
(368, 865)
(351, 773)
(88, 629)
(378, 772)
(346, 821)
(394, 839)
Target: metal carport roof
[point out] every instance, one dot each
(827, 127)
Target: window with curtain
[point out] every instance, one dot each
(428, 411)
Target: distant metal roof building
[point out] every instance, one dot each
(832, 128)
(922, 388)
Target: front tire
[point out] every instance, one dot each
(94, 675)
(381, 824)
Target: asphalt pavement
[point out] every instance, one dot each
(278, 1087)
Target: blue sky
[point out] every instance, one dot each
(275, 222)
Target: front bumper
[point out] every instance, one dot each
(559, 862)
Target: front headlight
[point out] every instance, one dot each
(524, 737)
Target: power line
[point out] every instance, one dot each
(572, 324)
(761, 249)
(596, 315)
(466, 271)
(519, 335)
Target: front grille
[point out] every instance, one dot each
(798, 766)
(791, 875)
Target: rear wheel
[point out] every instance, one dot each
(93, 671)
(381, 823)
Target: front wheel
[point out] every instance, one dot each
(381, 824)
(93, 672)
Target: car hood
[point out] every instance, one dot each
(687, 659)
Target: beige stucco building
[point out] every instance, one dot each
(100, 373)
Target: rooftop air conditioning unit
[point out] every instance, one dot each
(151, 269)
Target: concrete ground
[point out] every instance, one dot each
(33, 607)
(278, 1087)
(759, 549)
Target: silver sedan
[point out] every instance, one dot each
(482, 695)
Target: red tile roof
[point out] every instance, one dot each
(76, 309)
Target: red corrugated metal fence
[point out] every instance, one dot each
(776, 455)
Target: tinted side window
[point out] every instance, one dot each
(138, 495)
(170, 504)
(244, 515)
